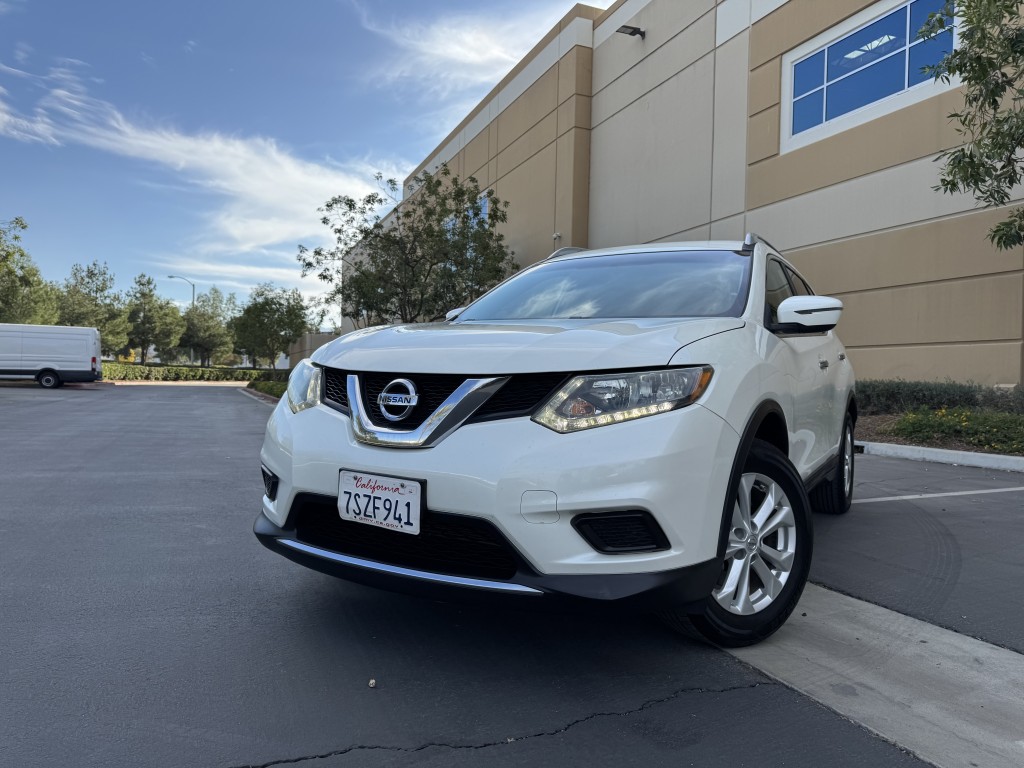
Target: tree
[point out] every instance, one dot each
(25, 297)
(88, 299)
(153, 321)
(435, 251)
(269, 323)
(989, 60)
(207, 325)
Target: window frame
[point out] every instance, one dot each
(788, 141)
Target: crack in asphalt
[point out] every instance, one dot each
(511, 740)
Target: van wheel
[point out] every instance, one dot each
(767, 557)
(49, 380)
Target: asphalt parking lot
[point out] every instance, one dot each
(144, 625)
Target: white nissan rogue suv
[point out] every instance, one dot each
(636, 426)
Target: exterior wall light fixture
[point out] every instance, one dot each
(632, 31)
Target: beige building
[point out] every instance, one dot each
(806, 121)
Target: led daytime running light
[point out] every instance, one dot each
(617, 397)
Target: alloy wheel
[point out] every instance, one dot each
(761, 549)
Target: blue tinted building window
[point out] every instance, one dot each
(878, 60)
(809, 111)
(928, 53)
(809, 74)
(874, 42)
(866, 86)
(919, 12)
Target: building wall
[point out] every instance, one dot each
(925, 294)
(609, 139)
(529, 140)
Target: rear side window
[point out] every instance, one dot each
(628, 285)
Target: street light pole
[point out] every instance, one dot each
(191, 359)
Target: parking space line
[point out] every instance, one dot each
(948, 698)
(939, 495)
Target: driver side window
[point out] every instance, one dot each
(777, 289)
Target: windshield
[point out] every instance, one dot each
(656, 284)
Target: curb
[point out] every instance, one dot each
(943, 456)
(259, 396)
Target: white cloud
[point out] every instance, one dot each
(267, 197)
(449, 54)
(22, 51)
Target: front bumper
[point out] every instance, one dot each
(527, 588)
(674, 466)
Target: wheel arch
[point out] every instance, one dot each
(767, 423)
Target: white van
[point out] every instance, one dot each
(50, 354)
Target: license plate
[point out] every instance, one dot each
(387, 502)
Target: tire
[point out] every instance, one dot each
(48, 380)
(834, 497)
(767, 556)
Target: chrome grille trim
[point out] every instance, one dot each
(448, 417)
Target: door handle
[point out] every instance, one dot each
(823, 364)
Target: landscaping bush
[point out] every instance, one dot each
(272, 388)
(984, 430)
(125, 372)
(894, 396)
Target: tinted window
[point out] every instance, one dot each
(776, 289)
(809, 111)
(809, 74)
(656, 284)
(869, 44)
(866, 86)
(927, 54)
(799, 286)
(882, 58)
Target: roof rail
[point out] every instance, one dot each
(566, 250)
(751, 239)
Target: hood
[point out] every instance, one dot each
(531, 346)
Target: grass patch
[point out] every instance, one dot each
(272, 388)
(975, 429)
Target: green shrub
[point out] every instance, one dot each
(272, 388)
(983, 429)
(898, 396)
(126, 372)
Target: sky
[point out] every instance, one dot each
(198, 138)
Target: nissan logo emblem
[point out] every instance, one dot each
(397, 399)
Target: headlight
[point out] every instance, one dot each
(594, 401)
(303, 386)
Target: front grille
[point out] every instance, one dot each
(449, 544)
(335, 391)
(519, 396)
(621, 532)
(433, 389)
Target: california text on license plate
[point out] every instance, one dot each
(387, 502)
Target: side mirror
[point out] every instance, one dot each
(808, 314)
(452, 314)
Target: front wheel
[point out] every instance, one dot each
(767, 557)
